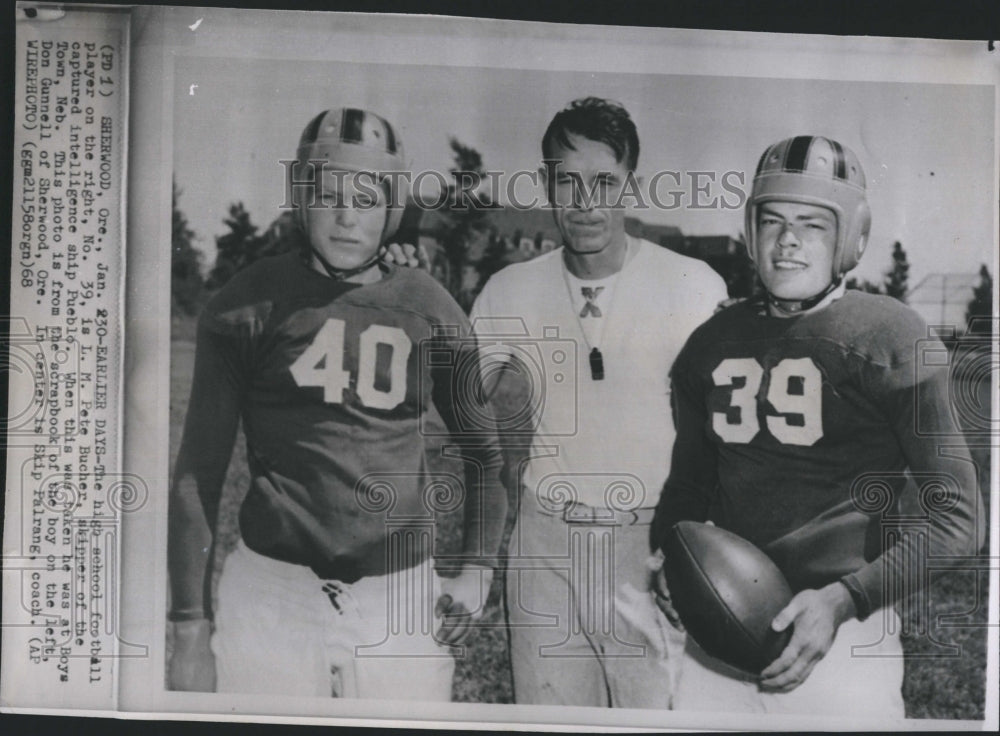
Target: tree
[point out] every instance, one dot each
(979, 313)
(740, 273)
(236, 249)
(467, 216)
(494, 258)
(186, 281)
(896, 279)
(281, 236)
(863, 285)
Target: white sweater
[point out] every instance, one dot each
(610, 439)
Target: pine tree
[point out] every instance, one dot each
(980, 310)
(237, 249)
(741, 274)
(863, 285)
(494, 258)
(897, 278)
(186, 281)
(282, 235)
(468, 209)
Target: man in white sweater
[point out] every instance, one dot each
(591, 329)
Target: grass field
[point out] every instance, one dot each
(939, 682)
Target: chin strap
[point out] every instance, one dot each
(342, 274)
(793, 306)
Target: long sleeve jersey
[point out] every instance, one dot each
(828, 441)
(332, 381)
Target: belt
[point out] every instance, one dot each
(574, 512)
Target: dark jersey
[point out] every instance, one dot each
(817, 438)
(332, 381)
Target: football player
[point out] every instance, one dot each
(796, 429)
(329, 357)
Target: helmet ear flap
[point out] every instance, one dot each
(393, 219)
(750, 230)
(855, 237)
(301, 193)
(300, 218)
(296, 200)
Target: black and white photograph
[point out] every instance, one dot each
(523, 375)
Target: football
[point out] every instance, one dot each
(726, 592)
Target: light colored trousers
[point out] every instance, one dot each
(860, 676)
(277, 631)
(584, 629)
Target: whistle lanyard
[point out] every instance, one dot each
(592, 311)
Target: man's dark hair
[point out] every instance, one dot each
(597, 119)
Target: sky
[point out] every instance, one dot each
(927, 148)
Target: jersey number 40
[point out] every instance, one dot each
(322, 364)
(805, 402)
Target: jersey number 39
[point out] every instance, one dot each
(805, 402)
(322, 364)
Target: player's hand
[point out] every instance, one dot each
(661, 594)
(406, 254)
(192, 665)
(816, 616)
(462, 601)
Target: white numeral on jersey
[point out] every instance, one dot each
(401, 345)
(744, 398)
(806, 402)
(328, 348)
